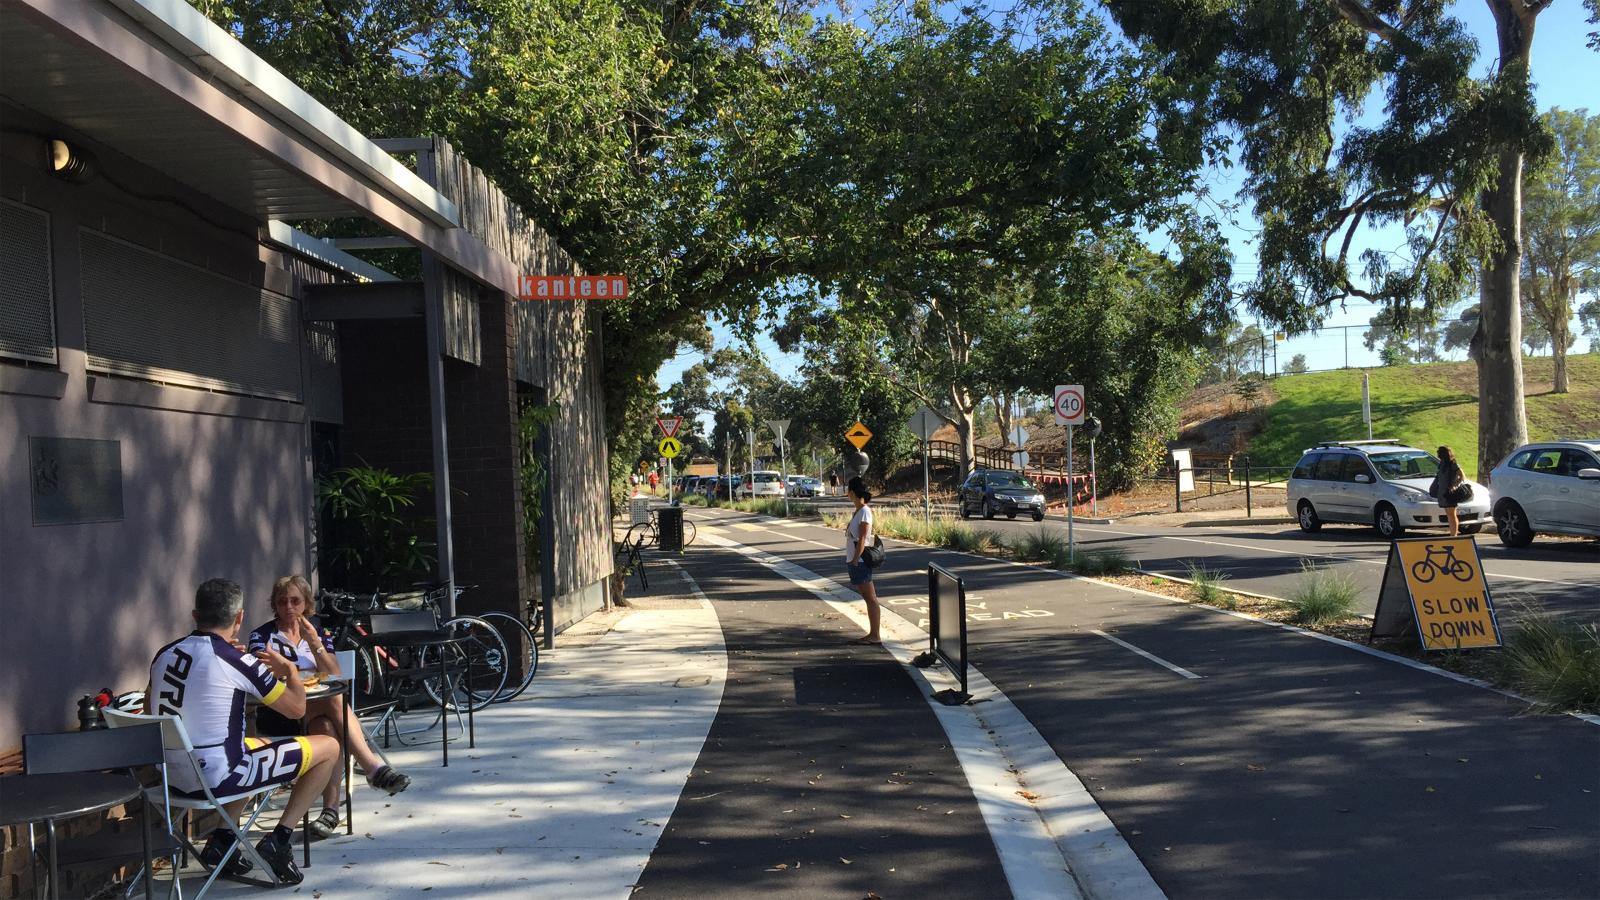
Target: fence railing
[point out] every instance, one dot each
(1217, 481)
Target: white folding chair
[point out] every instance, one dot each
(174, 737)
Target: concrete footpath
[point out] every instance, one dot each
(570, 785)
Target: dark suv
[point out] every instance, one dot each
(992, 491)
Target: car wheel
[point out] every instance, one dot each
(988, 510)
(961, 506)
(1012, 514)
(1471, 529)
(1387, 521)
(1038, 517)
(1307, 517)
(1511, 523)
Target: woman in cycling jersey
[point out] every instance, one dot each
(300, 640)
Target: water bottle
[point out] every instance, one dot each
(89, 718)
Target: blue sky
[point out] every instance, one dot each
(1566, 75)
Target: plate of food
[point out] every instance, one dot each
(311, 680)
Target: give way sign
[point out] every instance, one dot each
(1070, 407)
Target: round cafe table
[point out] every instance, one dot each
(25, 799)
(337, 686)
(439, 638)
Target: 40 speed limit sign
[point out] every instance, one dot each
(1070, 407)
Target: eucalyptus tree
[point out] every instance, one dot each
(1561, 212)
(942, 160)
(1443, 164)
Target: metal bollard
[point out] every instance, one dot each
(1249, 510)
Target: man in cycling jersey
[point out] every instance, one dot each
(205, 679)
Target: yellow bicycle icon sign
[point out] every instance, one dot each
(1441, 561)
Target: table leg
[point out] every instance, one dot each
(55, 873)
(344, 760)
(444, 718)
(472, 733)
(144, 828)
(305, 837)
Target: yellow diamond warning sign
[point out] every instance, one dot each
(858, 435)
(1441, 580)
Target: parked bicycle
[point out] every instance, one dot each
(648, 534)
(520, 639)
(478, 659)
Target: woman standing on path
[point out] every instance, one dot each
(1449, 481)
(857, 538)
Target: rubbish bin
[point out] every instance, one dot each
(669, 528)
(639, 511)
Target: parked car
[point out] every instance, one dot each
(1381, 483)
(994, 491)
(718, 486)
(804, 486)
(764, 484)
(1550, 487)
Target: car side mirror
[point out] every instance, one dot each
(1589, 474)
(1363, 478)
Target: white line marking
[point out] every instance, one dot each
(1146, 654)
(1060, 846)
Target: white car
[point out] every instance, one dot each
(1550, 487)
(762, 484)
(1379, 483)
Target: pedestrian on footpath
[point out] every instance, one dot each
(654, 479)
(857, 538)
(1449, 488)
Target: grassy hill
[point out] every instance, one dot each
(1425, 406)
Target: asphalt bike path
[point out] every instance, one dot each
(825, 772)
(1241, 760)
(1560, 576)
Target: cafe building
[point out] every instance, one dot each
(180, 358)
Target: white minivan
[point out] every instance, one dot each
(1550, 487)
(1379, 483)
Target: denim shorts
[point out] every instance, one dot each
(859, 571)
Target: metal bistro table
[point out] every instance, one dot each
(339, 687)
(47, 798)
(441, 639)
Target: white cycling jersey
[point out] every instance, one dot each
(204, 680)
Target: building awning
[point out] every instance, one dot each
(168, 88)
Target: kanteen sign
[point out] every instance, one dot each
(572, 287)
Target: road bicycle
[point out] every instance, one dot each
(1425, 569)
(648, 534)
(478, 660)
(519, 638)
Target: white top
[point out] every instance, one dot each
(864, 514)
(203, 680)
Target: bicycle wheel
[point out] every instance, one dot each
(642, 530)
(479, 659)
(369, 686)
(523, 652)
(689, 532)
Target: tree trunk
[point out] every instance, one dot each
(1559, 326)
(1002, 416)
(1502, 415)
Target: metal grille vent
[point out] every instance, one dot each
(325, 394)
(27, 303)
(156, 317)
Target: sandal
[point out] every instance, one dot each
(866, 642)
(387, 779)
(325, 825)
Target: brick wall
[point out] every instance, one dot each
(481, 414)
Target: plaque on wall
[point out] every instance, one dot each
(75, 481)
